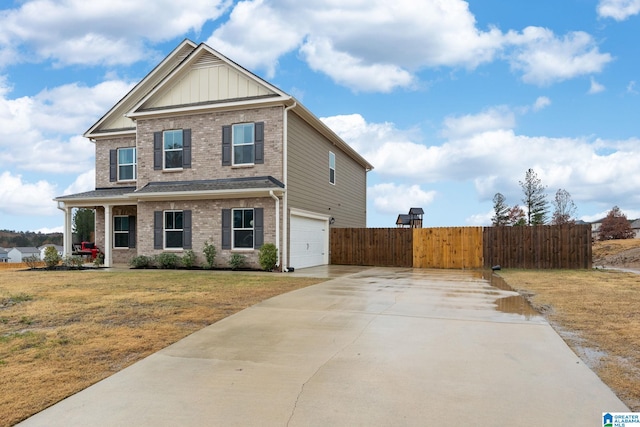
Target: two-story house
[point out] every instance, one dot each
(202, 150)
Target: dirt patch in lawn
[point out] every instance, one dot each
(597, 312)
(617, 253)
(63, 331)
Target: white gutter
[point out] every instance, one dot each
(285, 202)
(274, 197)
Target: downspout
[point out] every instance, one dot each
(285, 198)
(274, 197)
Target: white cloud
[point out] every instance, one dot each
(618, 9)
(492, 119)
(493, 157)
(398, 198)
(541, 103)
(84, 182)
(545, 59)
(336, 38)
(82, 32)
(631, 88)
(25, 198)
(595, 87)
(45, 121)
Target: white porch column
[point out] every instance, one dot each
(67, 232)
(107, 236)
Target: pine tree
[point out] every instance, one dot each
(501, 211)
(535, 199)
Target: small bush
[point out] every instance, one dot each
(141, 261)
(168, 260)
(51, 257)
(72, 261)
(31, 261)
(237, 261)
(209, 254)
(268, 256)
(99, 260)
(189, 259)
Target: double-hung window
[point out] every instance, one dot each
(120, 231)
(332, 168)
(172, 149)
(173, 229)
(126, 164)
(243, 144)
(243, 228)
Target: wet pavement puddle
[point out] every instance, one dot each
(515, 304)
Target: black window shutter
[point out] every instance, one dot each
(113, 165)
(259, 142)
(226, 145)
(157, 150)
(157, 230)
(186, 148)
(258, 228)
(186, 230)
(226, 228)
(132, 231)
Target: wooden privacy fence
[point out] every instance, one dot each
(464, 247)
(542, 246)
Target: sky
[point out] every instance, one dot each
(451, 101)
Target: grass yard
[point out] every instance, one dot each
(597, 312)
(63, 331)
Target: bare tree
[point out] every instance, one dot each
(615, 226)
(517, 216)
(565, 209)
(535, 199)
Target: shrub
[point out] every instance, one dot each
(168, 260)
(141, 261)
(51, 257)
(73, 261)
(237, 261)
(268, 256)
(209, 254)
(99, 260)
(189, 259)
(31, 261)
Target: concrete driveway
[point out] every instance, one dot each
(370, 347)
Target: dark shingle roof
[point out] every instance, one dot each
(100, 193)
(212, 185)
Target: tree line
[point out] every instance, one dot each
(535, 210)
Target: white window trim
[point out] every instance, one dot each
(233, 229)
(332, 156)
(164, 229)
(119, 232)
(164, 150)
(233, 145)
(134, 164)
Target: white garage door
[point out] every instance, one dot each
(309, 242)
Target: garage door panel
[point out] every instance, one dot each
(308, 238)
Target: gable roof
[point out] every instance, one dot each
(198, 78)
(114, 122)
(27, 249)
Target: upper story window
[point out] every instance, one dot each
(332, 168)
(243, 144)
(172, 149)
(126, 164)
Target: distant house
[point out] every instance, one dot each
(43, 248)
(411, 220)
(4, 255)
(19, 254)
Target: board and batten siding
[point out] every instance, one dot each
(308, 177)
